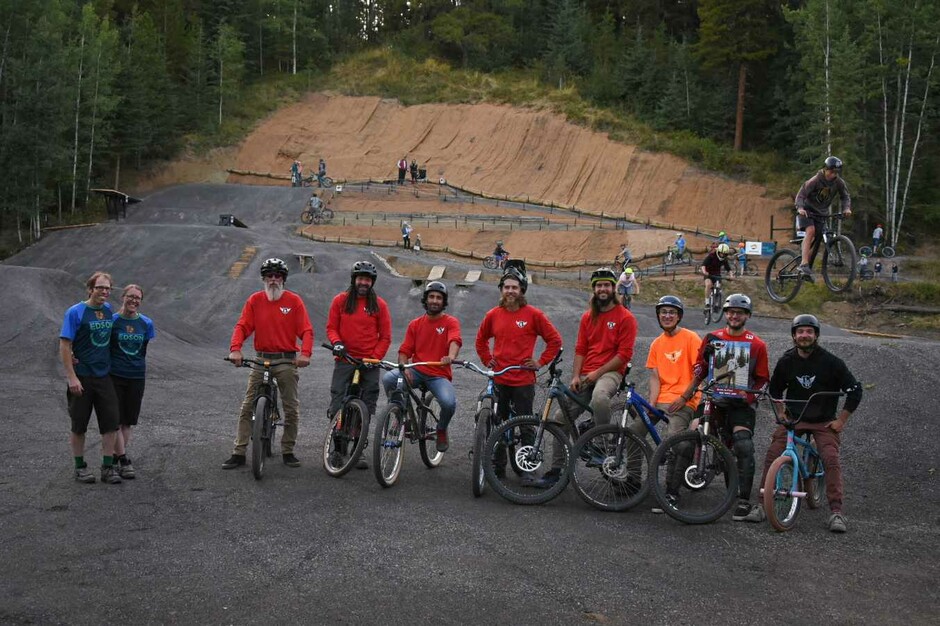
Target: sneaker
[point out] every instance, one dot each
(757, 515)
(84, 475)
(442, 444)
(547, 481)
(742, 511)
(671, 500)
(362, 463)
(290, 460)
(234, 461)
(336, 459)
(837, 523)
(126, 469)
(110, 475)
(807, 273)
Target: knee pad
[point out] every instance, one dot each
(744, 452)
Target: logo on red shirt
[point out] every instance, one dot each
(440, 330)
(285, 310)
(521, 323)
(611, 325)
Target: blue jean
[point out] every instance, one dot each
(440, 387)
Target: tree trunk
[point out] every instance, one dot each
(94, 116)
(294, 41)
(78, 107)
(828, 111)
(220, 87)
(739, 119)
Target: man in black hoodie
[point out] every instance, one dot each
(803, 370)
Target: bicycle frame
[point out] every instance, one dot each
(642, 408)
(405, 396)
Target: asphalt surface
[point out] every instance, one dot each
(187, 542)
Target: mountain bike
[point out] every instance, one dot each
(796, 474)
(406, 416)
(883, 250)
(495, 262)
(611, 462)
(322, 181)
(783, 278)
(529, 437)
(485, 420)
(695, 475)
(266, 416)
(674, 257)
(748, 268)
(715, 301)
(347, 435)
(315, 216)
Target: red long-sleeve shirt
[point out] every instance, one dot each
(611, 333)
(514, 334)
(429, 339)
(276, 325)
(363, 334)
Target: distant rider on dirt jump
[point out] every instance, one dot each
(813, 202)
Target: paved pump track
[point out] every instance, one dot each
(190, 543)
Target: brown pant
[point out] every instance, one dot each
(286, 376)
(827, 444)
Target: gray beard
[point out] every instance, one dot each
(273, 292)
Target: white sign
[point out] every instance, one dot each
(752, 248)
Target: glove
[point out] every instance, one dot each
(339, 350)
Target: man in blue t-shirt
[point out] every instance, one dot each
(84, 347)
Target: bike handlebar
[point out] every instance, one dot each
(250, 361)
(489, 373)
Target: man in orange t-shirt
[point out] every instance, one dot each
(671, 358)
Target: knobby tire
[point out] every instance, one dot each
(387, 445)
(481, 433)
(344, 444)
(258, 419)
(605, 479)
(781, 508)
(519, 488)
(782, 277)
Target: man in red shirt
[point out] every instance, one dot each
(604, 348)
(359, 325)
(514, 326)
(734, 407)
(278, 318)
(431, 337)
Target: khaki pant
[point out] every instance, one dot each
(678, 421)
(598, 397)
(287, 378)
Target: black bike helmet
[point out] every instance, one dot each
(672, 301)
(514, 274)
(737, 301)
(434, 285)
(804, 320)
(363, 268)
(833, 163)
(274, 266)
(601, 274)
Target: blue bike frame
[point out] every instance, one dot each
(643, 409)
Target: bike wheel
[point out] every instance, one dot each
(751, 269)
(532, 457)
(484, 420)
(814, 486)
(887, 252)
(257, 437)
(708, 310)
(611, 468)
(782, 278)
(345, 438)
(427, 445)
(864, 251)
(838, 264)
(387, 445)
(306, 217)
(328, 214)
(695, 477)
(326, 182)
(490, 262)
(686, 258)
(780, 504)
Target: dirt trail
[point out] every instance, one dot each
(506, 151)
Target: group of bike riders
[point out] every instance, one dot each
(359, 325)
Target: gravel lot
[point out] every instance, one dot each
(187, 542)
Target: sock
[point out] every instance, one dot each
(79, 462)
(107, 461)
